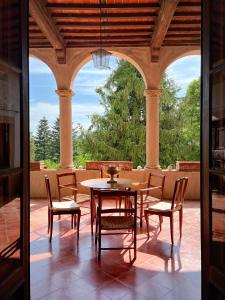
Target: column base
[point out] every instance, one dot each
(155, 167)
(66, 166)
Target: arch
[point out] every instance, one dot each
(43, 60)
(171, 55)
(88, 57)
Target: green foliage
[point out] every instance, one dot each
(190, 109)
(179, 123)
(118, 134)
(170, 123)
(55, 142)
(81, 160)
(32, 147)
(42, 140)
(51, 164)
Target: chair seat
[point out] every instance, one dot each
(148, 199)
(117, 222)
(81, 198)
(161, 206)
(65, 205)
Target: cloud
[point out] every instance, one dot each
(183, 71)
(80, 113)
(36, 66)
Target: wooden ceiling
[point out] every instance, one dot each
(65, 24)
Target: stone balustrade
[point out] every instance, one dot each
(37, 186)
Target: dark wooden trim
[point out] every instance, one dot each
(217, 278)
(25, 157)
(117, 15)
(124, 37)
(111, 31)
(96, 23)
(183, 22)
(109, 44)
(188, 4)
(205, 208)
(7, 172)
(88, 6)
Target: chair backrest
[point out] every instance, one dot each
(66, 181)
(107, 194)
(48, 190)
(179, 192)
(157, 180)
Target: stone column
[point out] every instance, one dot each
(65, 116)
(152, 128)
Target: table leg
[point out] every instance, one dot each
(92, 211)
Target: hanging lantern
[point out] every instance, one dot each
(101, 58)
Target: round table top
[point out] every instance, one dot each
(101, 183)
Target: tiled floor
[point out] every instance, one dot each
(65, 270)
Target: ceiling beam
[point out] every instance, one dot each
(164, 19)
(91, 6)
(96, 31)
(104, 23)
(41, 16)
(103, 15)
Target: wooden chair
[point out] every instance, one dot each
(165, 209)
(61, 208)
(155, 185)
(104, 175)
(109, 220)
(67, 188)
(68, 182)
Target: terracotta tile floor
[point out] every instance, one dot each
(65, 270)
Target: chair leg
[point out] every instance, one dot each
(99, 243)
(72, 217)
(147, 223)
(48, 219)
(171, 228)
(135, 243)
(78, 225)
(92, 211)
(181, 221)
(141, 211)
(51, 226)
(160, 222)
(75, 221)
(96, 231)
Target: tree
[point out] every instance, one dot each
(119, 134)
(190, 114)
(42, 140)
(55, 142)
(32, 147)
(170, 135)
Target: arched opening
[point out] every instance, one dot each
(180, 112)
(114, 100)
(44, 114)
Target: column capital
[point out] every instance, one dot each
(154, 93)
(64, 93)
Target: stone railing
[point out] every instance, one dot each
(37, 186)
(96, 165)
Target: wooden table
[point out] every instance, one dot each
(101, 183)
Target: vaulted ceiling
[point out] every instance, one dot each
(62, 24)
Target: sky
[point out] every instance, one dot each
(45, 102)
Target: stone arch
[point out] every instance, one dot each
(174, 54)
(43, 60)
(86, 58)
